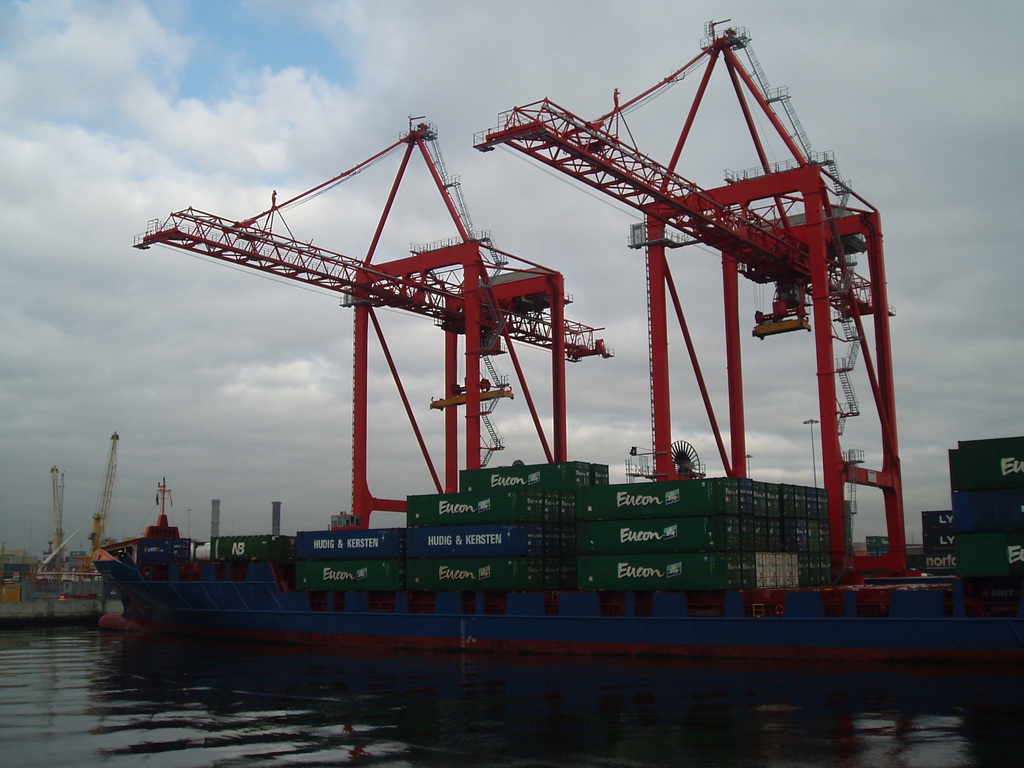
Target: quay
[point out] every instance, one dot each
(56, 612)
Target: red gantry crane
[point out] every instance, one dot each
(788, 224)
(465, 284)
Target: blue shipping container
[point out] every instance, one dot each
(164, 550)
(988, 511)
(350, 544)
(496, 540)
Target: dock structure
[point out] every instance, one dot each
(35, 613)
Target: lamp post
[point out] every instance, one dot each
(814, 462)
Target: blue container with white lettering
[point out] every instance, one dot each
(988, 511)
(350, 544)
(163, 551)
(499, 540)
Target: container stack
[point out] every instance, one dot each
(711, 534)
(162, 551)
(987, 483)
(563, 527)
(801, 509)
(353, 559)
(939, 541)
(509, 528)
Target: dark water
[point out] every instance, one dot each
(75, 697)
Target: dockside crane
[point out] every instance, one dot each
(98, 537)
(470, 288)
(57, 491)
(795, 225)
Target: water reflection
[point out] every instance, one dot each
(124, 700)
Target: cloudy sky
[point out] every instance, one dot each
(235, 387)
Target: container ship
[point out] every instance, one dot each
(553, 559)
(552, 556)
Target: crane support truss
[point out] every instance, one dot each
(464, 284)
(788, 224)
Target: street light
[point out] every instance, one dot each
(814, 462)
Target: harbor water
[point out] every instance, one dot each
(76, 696)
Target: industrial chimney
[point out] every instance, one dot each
(275, 518)
(215, 519)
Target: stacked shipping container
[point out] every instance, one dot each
(162, 551)
(939, 540)
(350, 559)
(562, 527)
(987, 483)
(509, 528)
(712, 534)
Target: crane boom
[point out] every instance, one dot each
(424, 284)
(58, 516)
(99, 520)
(561, 140)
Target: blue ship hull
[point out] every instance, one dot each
(256, 602)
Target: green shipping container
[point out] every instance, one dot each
(262, 547)
(793, 500)
(877, 545)
(665, 572)
(489, 507)
(683, 498)
(684, 534)
(766, 499)
(815, 569)
(350, 575)
(979, 465)
(452, 574)
(990, 554)
(817, 535)
(599, 474)
(564, 476)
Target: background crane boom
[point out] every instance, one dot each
(98, 537)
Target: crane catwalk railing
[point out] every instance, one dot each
(434, 293)
(487, 408)
(561, 140)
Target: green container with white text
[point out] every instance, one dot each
(683, 534)
(497, 574)
(666, 572)
(349, 575)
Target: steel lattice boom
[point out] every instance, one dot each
(428, 283)
(561, 140)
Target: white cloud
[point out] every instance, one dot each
(88, 63)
